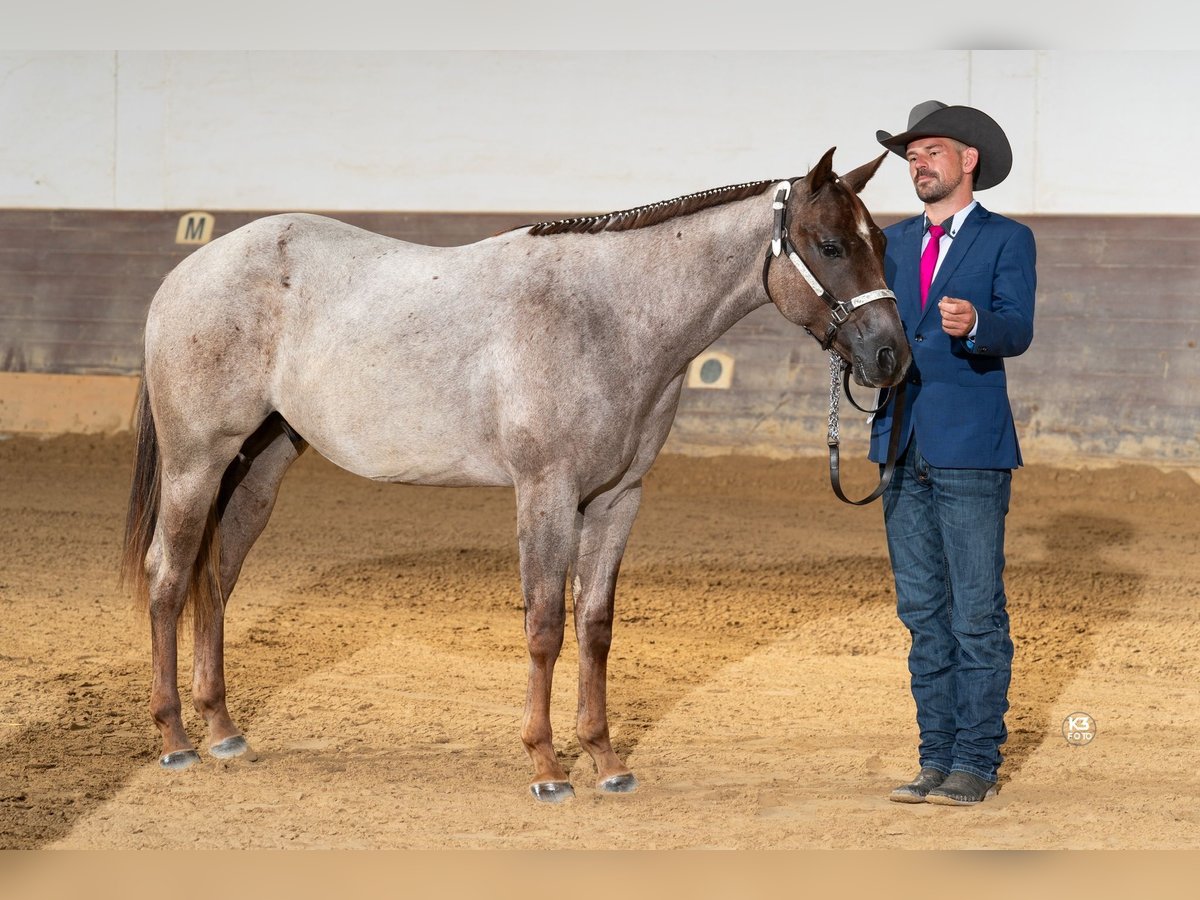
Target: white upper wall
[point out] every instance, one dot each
(570, 131)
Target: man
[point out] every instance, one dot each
(964, 281)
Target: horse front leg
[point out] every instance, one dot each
(607, 521)
(546, 534)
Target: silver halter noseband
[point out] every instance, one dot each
(781, 242)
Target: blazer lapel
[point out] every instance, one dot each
(908, 275)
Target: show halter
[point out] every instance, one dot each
(839, 369)
(781, 242)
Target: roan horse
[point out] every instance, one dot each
(549, 358)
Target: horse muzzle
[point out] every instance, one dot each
(879, 365)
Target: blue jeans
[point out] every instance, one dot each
(945, 531)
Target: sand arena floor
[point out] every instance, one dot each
(757, 681)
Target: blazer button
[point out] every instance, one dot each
(920, 337)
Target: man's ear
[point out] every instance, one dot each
(970, 159)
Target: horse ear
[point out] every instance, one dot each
(858, 179)
(822, 173)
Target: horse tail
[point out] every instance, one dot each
(142, 513)
(204, 587)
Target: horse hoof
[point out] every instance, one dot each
(552, 791)
(178, 760)
(619, 784)
(231, 747)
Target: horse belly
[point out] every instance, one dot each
(388, 435)
(414, 461)
(401, 459)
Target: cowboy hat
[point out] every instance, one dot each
(962, 123)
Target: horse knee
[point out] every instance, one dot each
(594, 629)
(545, 621)
(596, 644)
(545, 638)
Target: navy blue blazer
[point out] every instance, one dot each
(957, 403)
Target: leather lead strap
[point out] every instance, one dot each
(883, 401)
(835, 476)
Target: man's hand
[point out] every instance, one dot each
(958, 316)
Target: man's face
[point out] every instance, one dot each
(935, 165)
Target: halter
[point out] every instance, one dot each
(841, 310)
(781, 242)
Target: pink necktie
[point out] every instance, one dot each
(929, 260)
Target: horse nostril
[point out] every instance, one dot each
(886, 357)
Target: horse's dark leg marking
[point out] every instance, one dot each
(247, 498)
(607, 521)
(546, 534)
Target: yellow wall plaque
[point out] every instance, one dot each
(194, 228)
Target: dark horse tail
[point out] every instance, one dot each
(204, 585)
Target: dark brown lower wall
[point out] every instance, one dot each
(1114, 370)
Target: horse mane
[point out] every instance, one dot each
(652, 213)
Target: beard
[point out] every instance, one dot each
(936, 190)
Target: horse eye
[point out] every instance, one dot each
(830, 250)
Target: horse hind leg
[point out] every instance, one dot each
(244, 504)
(607, 521)
(545, 529)
(175, 567)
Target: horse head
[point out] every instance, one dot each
(826, 272)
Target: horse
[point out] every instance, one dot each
(549, 358)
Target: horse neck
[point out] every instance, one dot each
(696, 276)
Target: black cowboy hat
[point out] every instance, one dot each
(962, 123)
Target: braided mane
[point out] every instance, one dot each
(652, 213)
